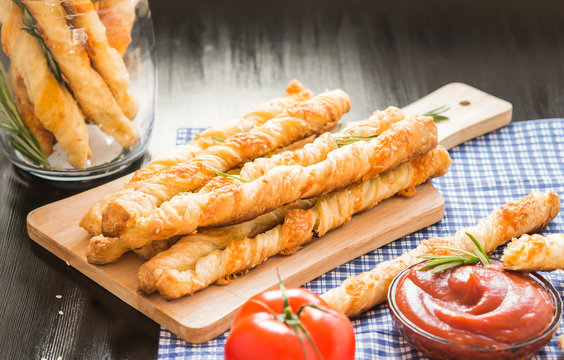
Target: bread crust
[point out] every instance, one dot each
(105, 59)
(299, 121)
(535, 253)
(118, 17)
(89, 88)
(299, 227)
(362, 160)
(295, 92)
(528, 214)
(53, 105)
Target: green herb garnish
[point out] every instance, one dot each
(31, 29)
(22, 139)
(349, 139)
(443, 262)
(227, 176)
(218, 139)
(436, 113)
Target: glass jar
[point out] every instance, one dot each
(81, 77)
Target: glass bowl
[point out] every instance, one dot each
(107, 156)
(440, 348)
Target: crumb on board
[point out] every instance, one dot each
(60, 312)
(59, 296)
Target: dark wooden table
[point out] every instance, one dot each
(219, 58)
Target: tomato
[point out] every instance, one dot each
(265, 329)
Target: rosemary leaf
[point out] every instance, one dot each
(218, 139)
(22, 139)
(436, 113)
(227, 176)
(446, 266)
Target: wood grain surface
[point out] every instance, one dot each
(218, 57)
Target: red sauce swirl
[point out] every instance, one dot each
(475, 304)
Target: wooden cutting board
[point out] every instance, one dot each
(208, 313)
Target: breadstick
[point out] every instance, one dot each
(52, 103)
(535, 253)
(118, 17)
(528, 214)
(561, 341)
(105, 59)
(92, 220)
(190, 248)
(299, 121)
(25, 108)
(300, 226)
(379, 122)
(91, 92)
(362, 160)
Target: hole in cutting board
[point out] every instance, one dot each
(464, 103)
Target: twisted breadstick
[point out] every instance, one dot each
(105, 59)
(190, 248)
(295, 92)
(25, 108)
(89, 89)
(118, 17)
(300, 226)
(299, 121)
(528, 214)
(379, 122)
(362, 160)
(535, 253)
(53, 105)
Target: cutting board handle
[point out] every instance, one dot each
(471, 112)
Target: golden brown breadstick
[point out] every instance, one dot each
(105, 59)
(91, 92)
(379, 122)
(300, 226)
(361, 160)
(561, 341)
(190, 248)
(535, 253)
(299, 121)
(118, 17)
(53, 105)
(295, 92)
(528, 214)
(25, 108)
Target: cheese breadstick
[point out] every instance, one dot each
(528, 214)
(25, 108)
(295, 92)
(300, 227)
(535, 253)
(362, 160)
(190, 248)
(118, 17)
(379, 122)
(105, 59)
(297, 122)
(53, 105)
(561, 341)
(91, 92)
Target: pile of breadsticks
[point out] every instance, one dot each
(67, 69)
(260, 186)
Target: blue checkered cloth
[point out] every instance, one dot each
(486, 172)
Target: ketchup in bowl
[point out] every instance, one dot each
(474, 311)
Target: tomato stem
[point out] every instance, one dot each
(293, 321)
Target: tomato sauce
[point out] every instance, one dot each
(475, 304)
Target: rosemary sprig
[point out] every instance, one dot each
(31, 28)
(22, 139)
(349, 139)
(227, 176)
(218, 139)
(436, 113)
(443, 262)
